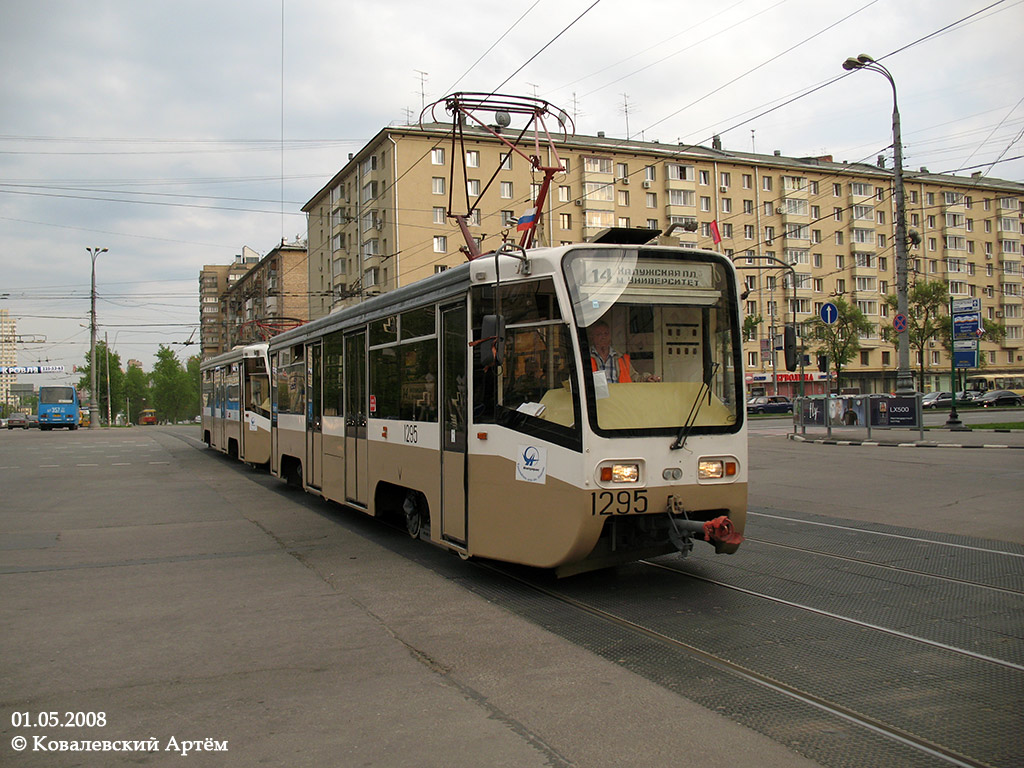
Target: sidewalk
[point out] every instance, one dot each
(934, 437)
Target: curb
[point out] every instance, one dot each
(894, 443)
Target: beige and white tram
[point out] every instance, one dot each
(235, 390)
(473, 402)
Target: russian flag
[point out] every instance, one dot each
(527, 220)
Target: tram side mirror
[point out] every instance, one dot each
(492, 340)
(789, 347)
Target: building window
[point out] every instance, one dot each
(597, 165)
(439, 215)
(565, 220)
(437, 156)
(472, 158)
(679, 172)
(437, 185)
(506, 190)
(440, 244)
(598, 190)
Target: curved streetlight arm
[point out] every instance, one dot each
(904, 378)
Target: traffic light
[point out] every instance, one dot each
(789, 347)
(823, 363)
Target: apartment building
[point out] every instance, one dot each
(214, 282)
(8, 354)
(381, 222)
(272, 296)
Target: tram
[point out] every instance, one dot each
(566, 408)
(236, 400)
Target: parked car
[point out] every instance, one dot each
(937, 400)
(19, 420)
(769, 404)
(999, 397)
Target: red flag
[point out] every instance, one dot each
(714, 232)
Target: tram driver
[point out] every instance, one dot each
(618, 369)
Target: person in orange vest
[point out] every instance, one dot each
(617, 367)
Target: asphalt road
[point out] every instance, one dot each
(191, 599)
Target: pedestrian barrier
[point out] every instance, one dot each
(839, 412)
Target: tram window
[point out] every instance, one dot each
(403, 381)
(418, 372)
(385, 383)
(291, 383)
(531, 302)
(418, 323)
(384, 331)
(333, 371)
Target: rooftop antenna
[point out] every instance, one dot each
(423, 87)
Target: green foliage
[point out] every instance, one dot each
(927, 318)
(750, 323)
(173, 392)
(137, 391)
(116, 389)
(840, 340)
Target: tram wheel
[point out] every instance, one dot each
(413, 515)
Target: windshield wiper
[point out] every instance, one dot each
(684, 433)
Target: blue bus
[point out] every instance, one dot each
(58, 407)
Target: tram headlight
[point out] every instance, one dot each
(620, 473)
(716, 469)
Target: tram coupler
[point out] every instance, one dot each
(719, 532)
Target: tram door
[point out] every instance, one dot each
(314, 415)
(454, 359)
(356, 481)
(220, 409)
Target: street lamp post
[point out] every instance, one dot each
(904, 377)
(94, 408)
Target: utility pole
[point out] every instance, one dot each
(93, 405)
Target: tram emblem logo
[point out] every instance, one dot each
(532, 464)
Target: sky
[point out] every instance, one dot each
(174, 133)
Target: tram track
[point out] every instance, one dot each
(927, 747)
(846, 619)
(895, 568)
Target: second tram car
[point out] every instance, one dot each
(565, 408)
(236, 400)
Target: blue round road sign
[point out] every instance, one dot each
(899, 323)
(829, 312)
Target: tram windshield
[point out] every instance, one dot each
(659, 339)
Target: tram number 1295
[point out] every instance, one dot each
(618, 502)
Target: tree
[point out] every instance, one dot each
(926, 322)
(195, 378)
(136, 385)
(839, 340)
(116, 388)
(750, 324)
(172, 388)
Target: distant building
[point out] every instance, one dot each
(8, 354)
(214, 282)
(381, 222)
(253, 297)
(272, 296)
